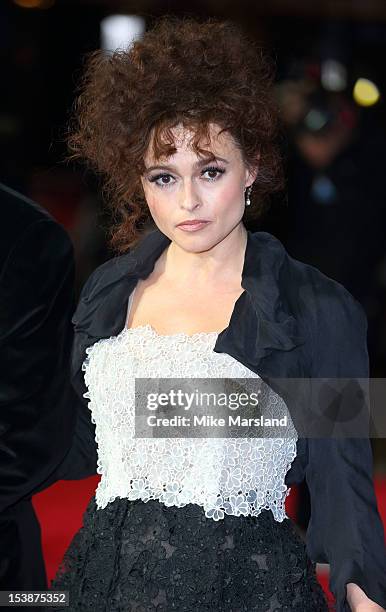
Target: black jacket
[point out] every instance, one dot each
(291, 321)
(37, 412)
(37, 401)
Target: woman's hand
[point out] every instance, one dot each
(358, 600)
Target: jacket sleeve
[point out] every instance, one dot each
(82, 457)
(36, 409)
(345, 528)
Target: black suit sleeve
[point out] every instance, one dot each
(82, 459)
(37, 415)
(345, 528)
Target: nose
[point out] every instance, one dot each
(189, 196)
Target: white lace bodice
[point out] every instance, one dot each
(238, 476)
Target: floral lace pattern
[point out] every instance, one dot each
(147, 557)
(225, 476)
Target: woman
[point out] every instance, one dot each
(183, 126)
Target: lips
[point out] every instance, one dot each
(192, 226)
(193, 222)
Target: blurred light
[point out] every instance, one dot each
(334, 75)
(312, 71)
(315, 120)
(323, 190)
(120, 31)
(41, 4)
(365, 92)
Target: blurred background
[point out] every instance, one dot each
(330, 86)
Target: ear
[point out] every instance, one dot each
(252, 173)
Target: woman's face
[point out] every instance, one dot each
(187, 187)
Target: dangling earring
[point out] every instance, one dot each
(248, 192)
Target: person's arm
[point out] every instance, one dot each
(36, 409)
(345, 528)
(81, 461)
(359, 601)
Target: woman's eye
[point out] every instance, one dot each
(213, 173)
(162, 180)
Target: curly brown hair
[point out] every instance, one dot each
(182, 71)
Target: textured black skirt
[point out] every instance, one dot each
(148, 557)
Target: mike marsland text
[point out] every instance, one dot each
(211, 421)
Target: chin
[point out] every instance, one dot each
(193, 243)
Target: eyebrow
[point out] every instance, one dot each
(198, 164)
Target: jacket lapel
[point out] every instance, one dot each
(259, 323)
(102, 312)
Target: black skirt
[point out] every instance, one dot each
(148, 557)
